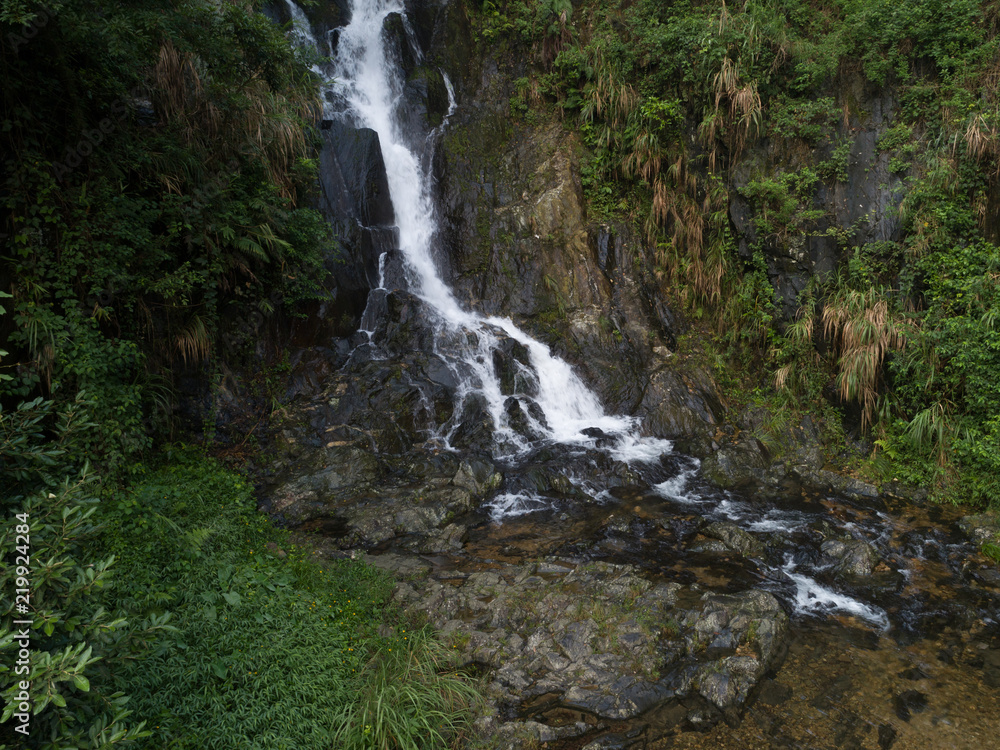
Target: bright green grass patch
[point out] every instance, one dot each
(268, 652)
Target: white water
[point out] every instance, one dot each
(513, 504)
(367, 91)
(301, 32)
(365, 79)
(677, 488)
(811, 597)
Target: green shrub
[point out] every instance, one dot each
(803, 118)
(75, 642)
(782, 202)
(405, 701)
(272, 650)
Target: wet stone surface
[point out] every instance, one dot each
(644, 622)
(601, 641)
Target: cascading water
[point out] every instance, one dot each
(366, 90)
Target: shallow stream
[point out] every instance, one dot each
(907, 658)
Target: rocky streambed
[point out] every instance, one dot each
(497, 404)
(663, 611)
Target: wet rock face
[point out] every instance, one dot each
(344, 492)
(734, 538)
(747, 633)
(864, 203)
(397, 45)
(355, 199)
(604, 641)
(834, 482)
(681, 404)
(352, 175)
(855, 558)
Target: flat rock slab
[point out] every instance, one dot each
(600, 639)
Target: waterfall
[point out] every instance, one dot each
(364, 88)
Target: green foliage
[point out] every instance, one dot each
(834, 169)
(803, 118)
(781, 202)
(133, 217)
(270, 650)
(751, 310)
(47, 533)
(897, 136)
(799, 369)
(898, 140)
(73, 642)
(886, 34)
(405, 701)
(947, 377)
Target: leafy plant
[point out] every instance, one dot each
(408, 700)
(55, 583)
(271, 649)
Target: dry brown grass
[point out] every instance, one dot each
(180, 93)
(681, 207)
(983, 141)
(800, 335)
(267, 126)
(556, 39)
(742, 114)
(193, 342)
(862, 330)
(609, 98)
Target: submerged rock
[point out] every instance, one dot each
(991, 668)
(855, 558)
(734, 538)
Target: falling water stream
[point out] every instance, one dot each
(364, 88)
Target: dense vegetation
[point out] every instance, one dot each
(171, 614)
(155, 156)
(679, 103)
(157, 164)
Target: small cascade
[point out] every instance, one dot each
(364, 89)
(811, 597)
(301, 32)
